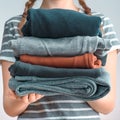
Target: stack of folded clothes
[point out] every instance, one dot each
(62, 53)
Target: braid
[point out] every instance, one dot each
(28, 5)
(87, 10)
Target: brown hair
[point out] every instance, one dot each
(28, 5)
(87, 10)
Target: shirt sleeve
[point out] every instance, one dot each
(109, 33)
(10, 33)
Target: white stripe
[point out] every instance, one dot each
(102, 23)
(106, 18)
(98, 14)
(14, 28)
(109, 33)
(5, 43)
(102, 17)
(10, 35)
(58, 101)
(63, 117)
(17, 35)
(114, 48)
(10, 59)
(94, 13)
(58, 109)
(107, 26)
(72, 117)
(6, 50)
(13, 21)
(114, 39)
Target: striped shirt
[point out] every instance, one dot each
(58, 107)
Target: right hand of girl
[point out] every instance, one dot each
(27, 99)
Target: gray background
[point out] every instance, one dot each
(109, 8)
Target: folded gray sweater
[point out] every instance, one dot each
(67, 46)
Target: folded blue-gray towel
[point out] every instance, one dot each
(88, 84)
(26, 69)
(84, 87)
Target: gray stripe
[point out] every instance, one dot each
(60, 114)
(9, 34)
(14, 18)
(7, 38)
(7, 54)
(111, 36)
(61, 105)
(10, 59)
(108, 29)
(64, 118)
(6, 46)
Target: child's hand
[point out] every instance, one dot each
(13, 104)
(27, 99)
(30, 98)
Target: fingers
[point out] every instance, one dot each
(38, 96)
(30, 98)
(25, 99)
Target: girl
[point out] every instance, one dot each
(34, 106)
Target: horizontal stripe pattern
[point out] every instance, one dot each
(53, 107)
(10, 33)
(61, 108)
(57, 101)
(64, 118)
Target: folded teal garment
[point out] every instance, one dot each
(85, 87)
(26, 69)
(56, 23)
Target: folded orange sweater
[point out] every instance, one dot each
(83, 61)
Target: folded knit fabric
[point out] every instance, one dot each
(26, 69)
(56, 23)
(67, 46)
(84, 61)
(85, 87)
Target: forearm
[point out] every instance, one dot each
(13, 106)
(106, 104)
